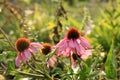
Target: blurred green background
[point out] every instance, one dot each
(47, 20)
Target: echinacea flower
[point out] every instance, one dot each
(46, 50)
(73, 45)
(24, 47)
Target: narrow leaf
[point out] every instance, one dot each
(50, 55)
(110, 64)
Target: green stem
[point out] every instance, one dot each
(39, 71)
(1, 30)
(35, 69)
(29, 74)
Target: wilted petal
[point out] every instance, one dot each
(18, 60)
(84, 43)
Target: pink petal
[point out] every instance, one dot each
(61, 42)
(73, 63)
(58, 53)
(62, 47)
(54, 58)
(23, 57)
(37, 45)
(78, 40)
(79, 48)
(84, 43)
(27, 54)
(32, 49)
(86, 54)
(65, 53)
(71, 44)
(51, 61)
(18, 60)
(53, 48)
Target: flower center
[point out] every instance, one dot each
(21, 44)
(72, 33)
(47, 48)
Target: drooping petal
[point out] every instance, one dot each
(51, 61)
(66, 53)
(54, 58)
(27, 54)
(84, 43)
(73, 62)
(79, 48)
(32, 49)
(71, 44)
(62, 48)
(18, 60)
(36, 45)
(78, 41)
(24, 57)
(61, 42)
(58, 53)
(86, 54)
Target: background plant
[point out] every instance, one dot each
(39, 19)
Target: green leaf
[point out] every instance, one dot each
(93, 74)
(18, 77)
(50, 54)
(11, 67)
(27, 1)
(66, 77)
(3, 56)
(110, 64)
(75, 23)
(84, 72)
(11, 54)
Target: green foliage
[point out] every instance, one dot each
(43, 20)
(51, 54)
(110, 68)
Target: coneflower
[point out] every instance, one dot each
(46, 50)
(73, 45)
(24, 47)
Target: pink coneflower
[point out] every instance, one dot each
(24, 47)
(73, 45)
(46, 50)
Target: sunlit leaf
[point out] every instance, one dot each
(110, 64)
